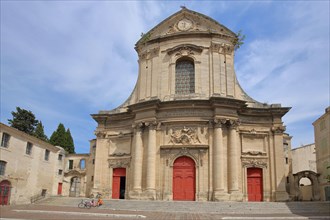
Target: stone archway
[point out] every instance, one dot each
(313, 177)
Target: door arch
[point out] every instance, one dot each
(184, 179)
(5, 188)
(119, 183)
(313, 177)
(254, 184)
(74, 187)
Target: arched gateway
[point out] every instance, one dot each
(313, 177)
(184, 179)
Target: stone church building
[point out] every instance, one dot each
(188, 131)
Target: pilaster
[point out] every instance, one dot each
(219, 193)
(137, 162)
(151, 161)
(234, 174)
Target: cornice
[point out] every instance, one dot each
(150, 104)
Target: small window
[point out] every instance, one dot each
(5, 140)
(28, 150)
(60, 156)
(47, 154)
(2, 167)
(60, 172)
(92, 178)
(93, 161)
(70, 164)
(43, 192)
(286, 160)
(287, 180)
(82, 164)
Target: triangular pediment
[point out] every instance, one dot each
(186, 22)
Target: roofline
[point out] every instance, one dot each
(30, 137)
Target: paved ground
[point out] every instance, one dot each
(66, 208)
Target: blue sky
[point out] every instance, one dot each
(65, 60)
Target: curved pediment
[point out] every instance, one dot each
(186, 22)
(75, 173)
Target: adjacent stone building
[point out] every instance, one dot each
(189, 131)
(322, 146)
(304, 170)
(29, 167)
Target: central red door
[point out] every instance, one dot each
(118, 183)
(254, 183)
(184, 179)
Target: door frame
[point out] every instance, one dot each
(5, 199)
(194, 177)
(118, 173)
(262, 183)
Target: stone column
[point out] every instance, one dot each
(138, 158)
(280, 190)
(151, 162)
(218, 163)
(234, 163)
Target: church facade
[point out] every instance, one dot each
(188, 131)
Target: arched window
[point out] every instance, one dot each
(184, 76)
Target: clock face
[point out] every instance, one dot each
(184, 24)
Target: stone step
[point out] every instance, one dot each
(203, 207)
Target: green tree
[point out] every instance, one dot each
(58, 138)
(62, 138)
(23, 120)
(239, 40)
(69, 142)
(39, 132)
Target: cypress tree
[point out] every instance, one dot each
(39, 132)
(58, 137)
(69, 142)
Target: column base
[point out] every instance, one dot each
(135, 194)
(150, 194)
(219, 196)
(281, 196)
(236, 196)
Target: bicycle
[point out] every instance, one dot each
(84, 204)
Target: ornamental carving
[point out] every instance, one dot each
(117, 163)
(151, 53)
(185, 49)
(185, 136)
(100, 134)
(254, 163)
(254, 153)
(222, 48)
(172, 155)
(278, 129)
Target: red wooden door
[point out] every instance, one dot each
(5, 187)
(59, 189)
(254, 184)
(117, 173)
(184, 179)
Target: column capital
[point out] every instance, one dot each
(278, 129)
(218, 123)
(139, 126)
(233, 123)
(152, 125)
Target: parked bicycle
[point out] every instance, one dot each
(85, 204)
